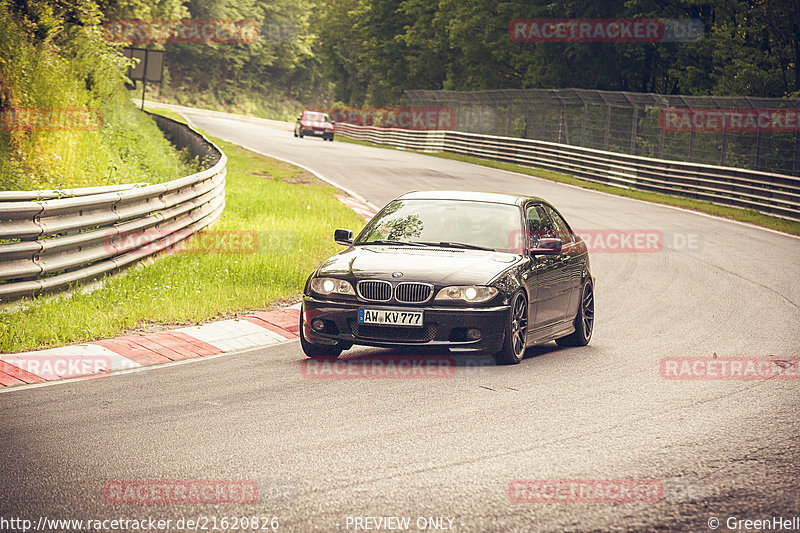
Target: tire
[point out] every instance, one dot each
(330, 138)
(295, 132)
(515, 332)
(300, 132)
(584, 320)
(318, 351)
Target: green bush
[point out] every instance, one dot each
(53, 56)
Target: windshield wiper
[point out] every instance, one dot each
(385, 241)
(450, 244)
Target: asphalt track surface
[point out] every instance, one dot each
(325, 450)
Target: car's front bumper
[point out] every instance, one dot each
(316, 132)
(443, 326)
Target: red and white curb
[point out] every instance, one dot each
(98, 358)
(361, 208)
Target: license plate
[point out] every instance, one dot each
(389, 317)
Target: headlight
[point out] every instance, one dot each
(331, 286)
(467, 293)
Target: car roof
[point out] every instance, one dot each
(475, 196)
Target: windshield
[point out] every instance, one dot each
(317, 117)
(446, 223)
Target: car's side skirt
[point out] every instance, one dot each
(550, 332)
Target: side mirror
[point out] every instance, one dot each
(343, 237)
(547, 247)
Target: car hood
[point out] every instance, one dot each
(440, 266)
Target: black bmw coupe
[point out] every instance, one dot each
(473, 272)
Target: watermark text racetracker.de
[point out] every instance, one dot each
(138, 31)
(742, 120)
(50, 119)
(644, 241)
(411, 118)
(390, 367)
(180, 492)
(611, 491)
(730, 368)
(50, 366)
(183, 241)
(586, 491)
(597, 30)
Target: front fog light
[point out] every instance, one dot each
(318, 325)
(473, 334)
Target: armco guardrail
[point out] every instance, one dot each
(50, 240)
(772, 194)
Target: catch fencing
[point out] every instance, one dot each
(634, 123)
(768, 193)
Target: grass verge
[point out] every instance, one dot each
(742, 215)
(291, 214)
(56, 72)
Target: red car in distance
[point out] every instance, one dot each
(315, 123)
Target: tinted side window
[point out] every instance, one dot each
(539, 225)
(561, 226)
